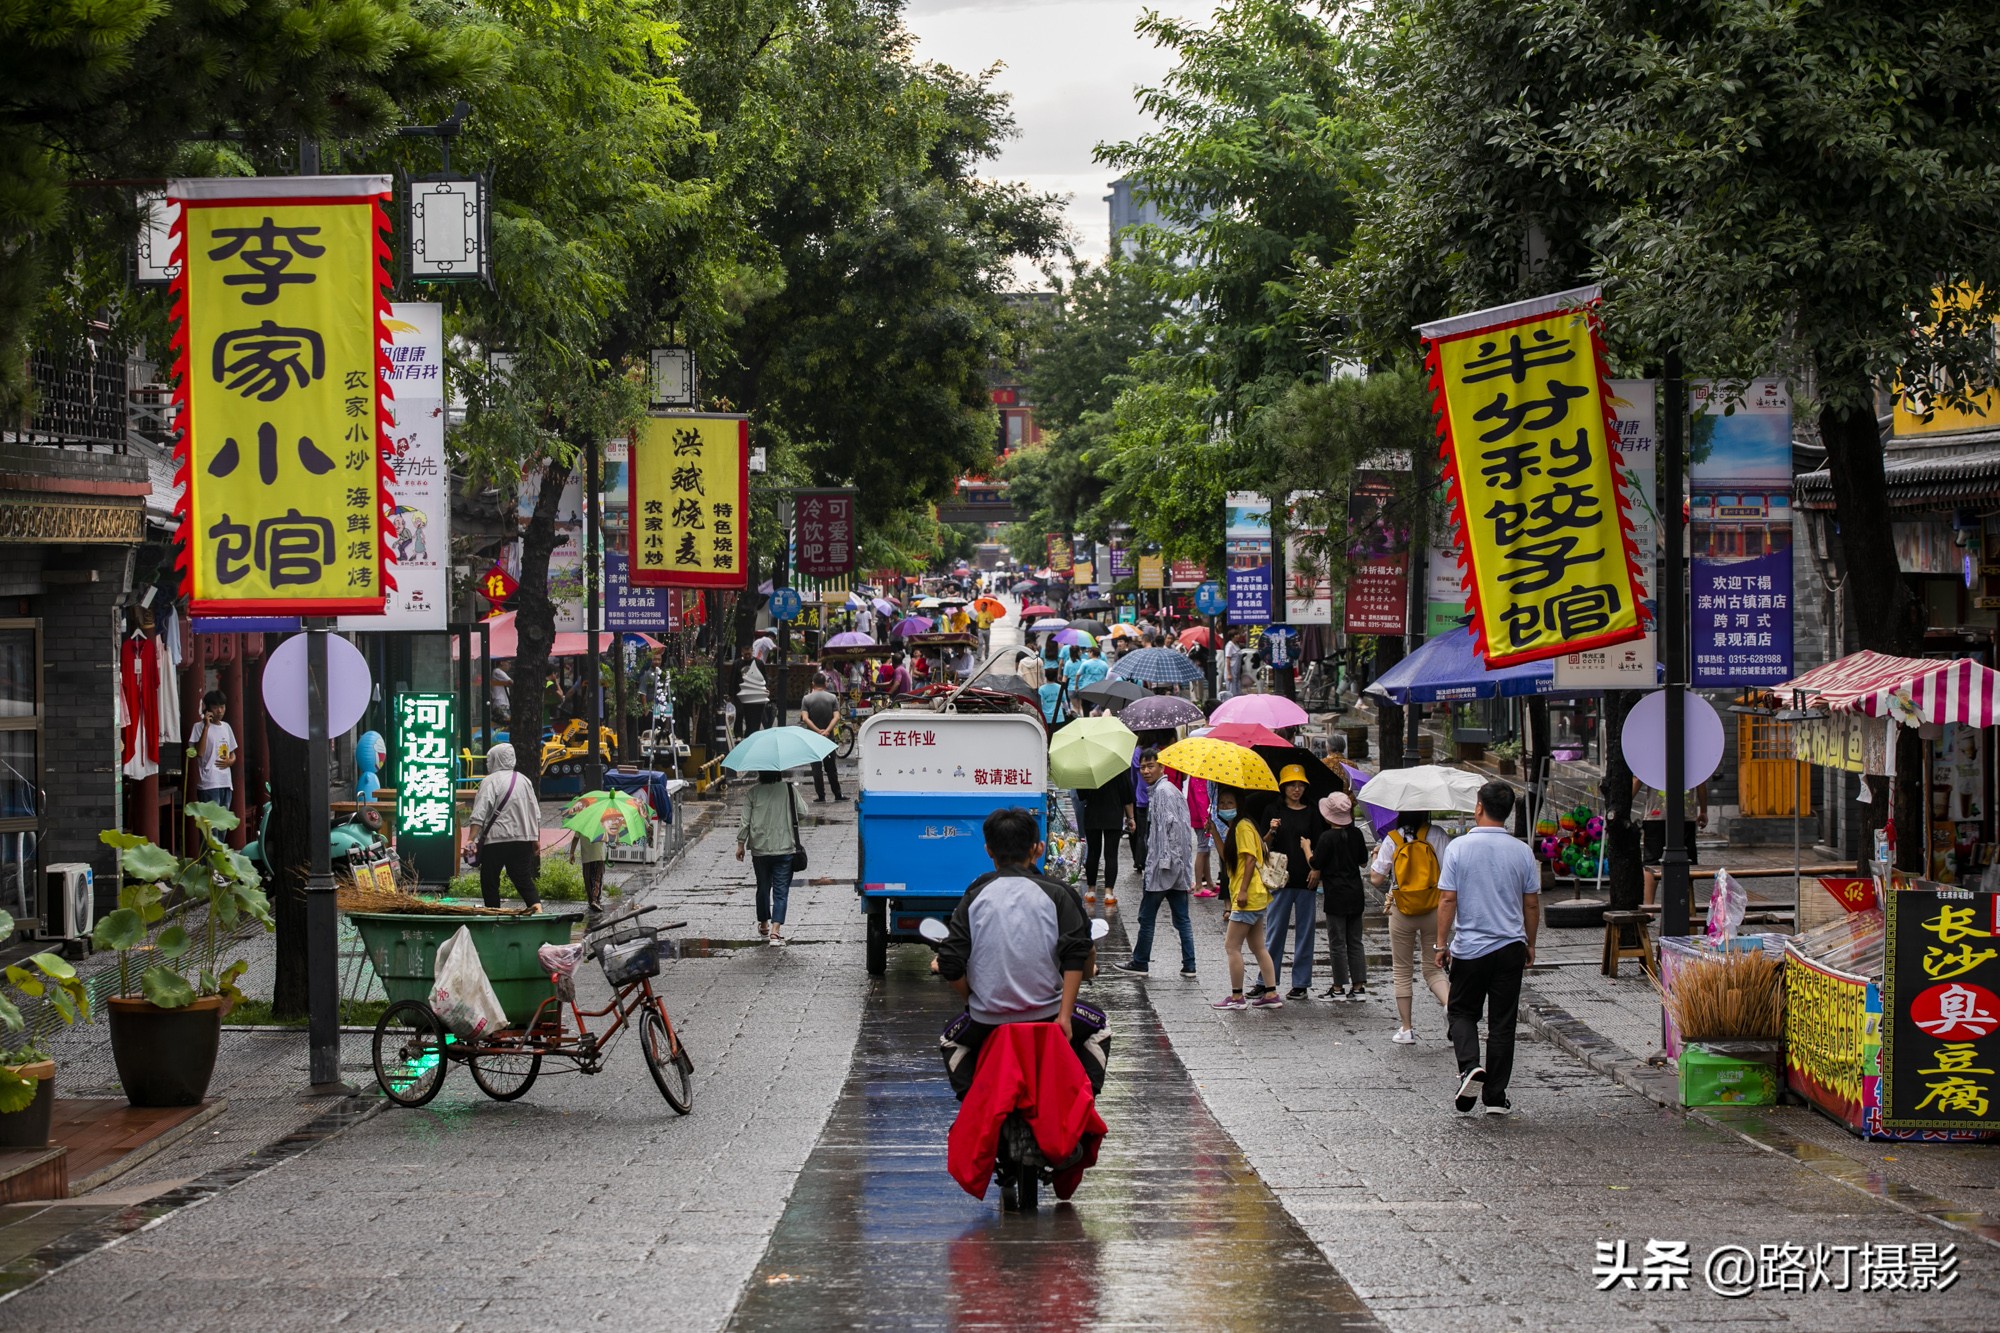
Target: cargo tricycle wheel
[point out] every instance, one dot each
(409, 1052)
(878, 939)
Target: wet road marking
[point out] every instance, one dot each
(1171, 1229)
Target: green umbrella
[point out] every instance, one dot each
(1090, 751)
(605, 816)
(775, 749)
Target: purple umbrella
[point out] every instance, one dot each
(851, 639)
(884, 607)
(1382, 820)
(909, 625)
(1156, 712)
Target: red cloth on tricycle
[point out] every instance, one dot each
(1026, 1067)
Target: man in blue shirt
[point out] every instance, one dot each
(1489, 908)
(1091, 669)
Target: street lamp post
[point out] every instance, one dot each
(1673, 646)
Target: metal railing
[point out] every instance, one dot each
(80, 401)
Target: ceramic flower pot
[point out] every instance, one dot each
(165, 1057)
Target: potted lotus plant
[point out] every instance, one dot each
(166, 1017)
(27, 1074)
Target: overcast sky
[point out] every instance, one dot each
(1071, 69)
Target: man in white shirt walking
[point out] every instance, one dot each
(1489, 910)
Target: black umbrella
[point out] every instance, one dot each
(1097, 627)
(1321, 781)
(1112, 694)
(1027, 585)
(1002, 682)
(1090, 604)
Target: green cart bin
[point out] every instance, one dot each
(403, 947)
(1710, 1077)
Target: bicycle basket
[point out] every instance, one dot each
(630, 956)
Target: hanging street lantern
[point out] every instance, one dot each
(447, 225)
(673, 379)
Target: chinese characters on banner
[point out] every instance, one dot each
(1941, 1011)
(280, 368)
(424, 765)
(1246, 545)
(1187, 573)
(690, 501)
(1061, 561)
(1152, 572)
(1378, 557)
(1740, 510)
(1524, 413)
(420, 523)
(636, 610)
(823, 522)
(1121, 563)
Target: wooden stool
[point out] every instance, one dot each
(1615, 948)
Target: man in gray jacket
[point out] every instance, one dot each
(1169, 868)
(1019, 945)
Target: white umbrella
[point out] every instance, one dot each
(1425, 787)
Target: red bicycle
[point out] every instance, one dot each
(414, 1050)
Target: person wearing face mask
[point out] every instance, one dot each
(1242, 853)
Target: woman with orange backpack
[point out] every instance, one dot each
(1407, 860)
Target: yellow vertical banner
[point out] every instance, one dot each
(1548, 562)
(280, 311)
(690, 501)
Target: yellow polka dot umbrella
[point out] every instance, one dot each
(1219, 761)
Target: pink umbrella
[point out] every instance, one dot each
(1266, 710)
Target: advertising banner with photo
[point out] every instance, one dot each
(1378, 558)
(420, 523)
(1308, 580)
(1061, 559)
(1444, 595)
(1525, 413)
(280, 371)
(1740, 512)
(1246, 544)
(690, 501)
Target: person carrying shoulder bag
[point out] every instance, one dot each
(770, 833)
(506, 828)
(1408, 861)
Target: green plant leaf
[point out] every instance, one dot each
(64, 1004)
(122, 929)
(166, 988)
(112, 837)
(218, 817)
(16, 1093)
(10, 1017)
(24, 981)
(6, 926)
(241, 867)
(54, 965)
(173, 941)
(147, 862)
(256, 905)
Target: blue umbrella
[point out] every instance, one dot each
(775, 749)
(1447, 670)
(1156, 666)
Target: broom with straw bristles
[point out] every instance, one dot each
(355, 897)
(1729, 996)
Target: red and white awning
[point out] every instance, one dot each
(1958, 690)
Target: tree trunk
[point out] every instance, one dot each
(1621, 836)
(535, 624)
(1891, 620)
(288, 851)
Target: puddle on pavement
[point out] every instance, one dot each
(710, 947)
(1172, 1227)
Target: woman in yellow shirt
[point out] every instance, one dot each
(1242, 850)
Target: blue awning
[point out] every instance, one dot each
(1445, 670)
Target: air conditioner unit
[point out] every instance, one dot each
(70, 910)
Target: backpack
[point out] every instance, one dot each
(1415, 875)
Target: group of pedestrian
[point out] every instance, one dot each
(1462, 913)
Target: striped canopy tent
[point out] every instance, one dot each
(1958, 690)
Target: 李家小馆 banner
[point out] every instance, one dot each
(280, 361)
(1532, 474)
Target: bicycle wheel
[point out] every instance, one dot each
(843, 735)
(667, 1060)
(409, 1053)
(505, 1077)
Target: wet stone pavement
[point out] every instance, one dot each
(1171, 1229)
